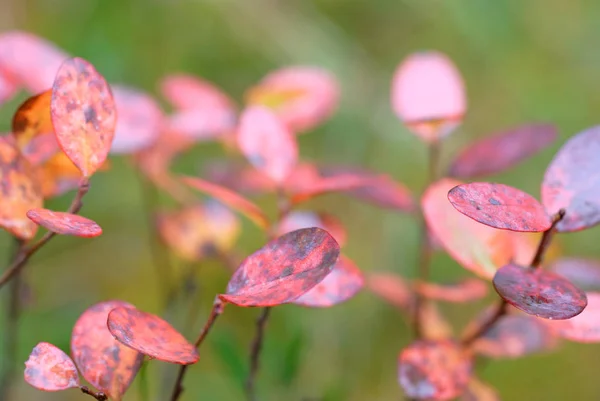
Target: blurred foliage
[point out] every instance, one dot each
(522, 62)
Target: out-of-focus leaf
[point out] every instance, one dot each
(83, 114)
(50, 369)
(479, 391)
(572, 182)
(298, 219)
(583, 328)
(584, 273)
(500, 206)
(503, 150)
(467, 290)
(392, 288)
(65, 223)
(539, 292)
(151, 335)
(284, 269)
(428, 95)
(103, 361)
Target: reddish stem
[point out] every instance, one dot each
(546, 239)
(216, 311)
(100, 396)
(26, 252)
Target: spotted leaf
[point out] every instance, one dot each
(50, 369)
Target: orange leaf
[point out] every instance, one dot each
(65, 223)
(84, 114)
(19, 191)
(104, 362)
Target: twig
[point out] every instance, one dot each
(26, 252)
(100, 396)
(502, 307)
(255, 349)
(217, 310)
(425, 251)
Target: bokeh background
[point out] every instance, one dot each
(523, 61)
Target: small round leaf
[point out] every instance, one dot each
(50, 369)
(500, 206)
(539, 292)
(151, 335)
(284, 269)
(83, 114)
(65, 223)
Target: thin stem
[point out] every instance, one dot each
(143, 382)
(502, 307)
(25, 253)
(100, 396)
(12, 328)
(255, 349)
(546, 239)
(216, 311)
(425, 251)
(160, 257)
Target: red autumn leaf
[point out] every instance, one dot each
(298, 219)
(103, 361)
(503, 150)
(65, 223)
(343, 283)
(30, 60)
(284, 269)
(514, 336)
(340, 183)
(20, 191)
(572, 182)
(33, 130)
(584, 273)
(198, 231)
(428, 95)
(229, 198)
(583, 328)
(467, 290)
(539, 292)
(434, 370)
(500, 206)
(392, 288)
(151, 335)
(238, 177)
(50, 369)
(83, 114)
(475, 246)
(267, 144)
(378, 189)
(139, 121)
(479, 391)
(302, 96)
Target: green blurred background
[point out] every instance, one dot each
(523, 61)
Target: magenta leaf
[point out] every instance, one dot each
(500, 206)
(584, 273)
(572, 182)
(50, 369)
(502, 151)
(284, 269)
(583, 328)
(538, 292)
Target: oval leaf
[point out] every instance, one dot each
(139, 120)
(584, 273)
(514, 336)
(267, 144)
(503, 150)
(321, 186)
(31, 60)
(302, 96)
(20, 191)
(583, 328)
(229, 198)
(500, 206)
(65, 223)
(151, 335)
(434, 370)
(538, 292)
(50, 369)
(343, 283)
(284, 269)
(83, 114)
(392, 288)
(199, 231)
(464, 291)
(103, 361)
(572, 182)
(428, 94)
(475, 246)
